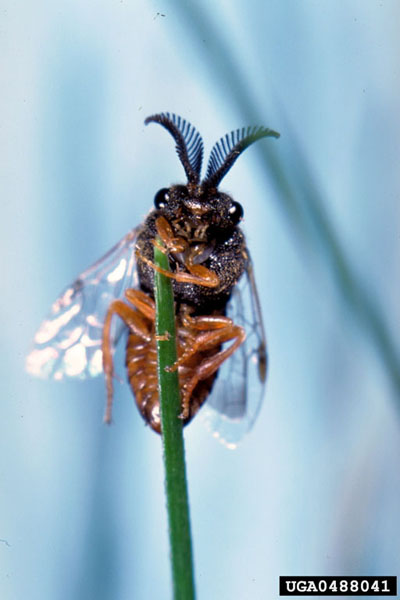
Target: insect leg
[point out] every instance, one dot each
(165, 231)
(198, 274)
(142, 302)
(137, 324)
(219, 331)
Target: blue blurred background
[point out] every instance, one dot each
(315, 487)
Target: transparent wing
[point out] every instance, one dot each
(237, 394)
(68, 342)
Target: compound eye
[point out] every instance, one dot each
(236, 212)
(161, 198)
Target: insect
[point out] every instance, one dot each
(220, 336)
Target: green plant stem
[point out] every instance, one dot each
(172, 436)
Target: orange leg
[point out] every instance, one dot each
(142, 302)
(216, 331)
(178, 244)
(197, 273)
(137, 323)
(173, 244)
